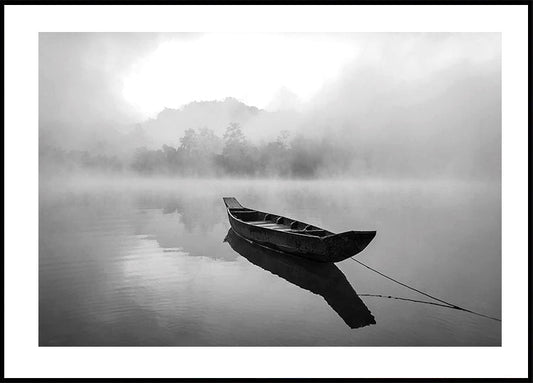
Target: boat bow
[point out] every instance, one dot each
(344, 245)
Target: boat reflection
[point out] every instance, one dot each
(324, 279)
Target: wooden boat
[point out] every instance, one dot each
(325, 280)
(294, 237)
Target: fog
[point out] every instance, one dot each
(381, 105)
(141, 135)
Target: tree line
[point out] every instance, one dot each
(202, 153)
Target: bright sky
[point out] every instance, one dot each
(253, 68)
(123, 78)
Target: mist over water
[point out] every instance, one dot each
(141, 135)
(144, 262)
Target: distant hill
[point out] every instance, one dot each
(170, 124)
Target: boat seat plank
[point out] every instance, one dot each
(273, 226)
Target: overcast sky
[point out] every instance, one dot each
(423, 103)
(89, 78)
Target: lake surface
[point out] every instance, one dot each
(153, 263)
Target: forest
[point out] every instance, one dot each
(202, 153)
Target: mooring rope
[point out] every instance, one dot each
(447, 304)
(405, 299)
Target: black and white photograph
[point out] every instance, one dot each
(266, 191)
(276, 189)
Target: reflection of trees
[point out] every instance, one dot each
(197, 214)
(193, 224)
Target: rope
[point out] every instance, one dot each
(447, 304)
(404, 299)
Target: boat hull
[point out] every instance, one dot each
(312, 248)
(326, 280)
(326, 248)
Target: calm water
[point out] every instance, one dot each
(152, 263)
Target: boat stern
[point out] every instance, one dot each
(232, 203)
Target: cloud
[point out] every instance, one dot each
(79, 76)
(421, 103)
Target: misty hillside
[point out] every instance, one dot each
(385, 105)
(170, 124)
